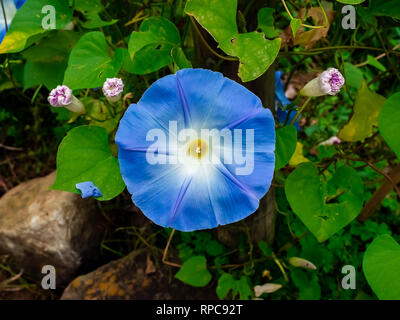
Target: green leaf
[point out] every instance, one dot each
(94, 21)
(179, 58)
(27, 22)
(265, 18)
(387, 8)
(367, 106)
(46, 62)
(286, 140)
(226, 283)
(351, 1)
(375, 63)
(217, 16)
(354, 76)
(194, 272)
(388, 122)
(214, 248)
(255, 52)
(91, 10)
(154, 30)
(295, 24)
(83, 155)
(324, 208)
(381, 267)
(88, 6)
(89, 63)
(307, 283)
(150, 48)
(264, 247)
(244, 288)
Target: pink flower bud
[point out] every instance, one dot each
(112, 89)
(62, 96)
(329, 82)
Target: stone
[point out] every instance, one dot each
(47, 227)
(127, 279)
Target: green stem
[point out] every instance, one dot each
(318, 50)
(300, 111)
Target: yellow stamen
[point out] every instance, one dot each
(197, 148)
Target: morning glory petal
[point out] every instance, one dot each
(193, 209)
(134, 126)
(142, 177)
(215, 101)
(163, 102)
(232, 200)
(262, 123)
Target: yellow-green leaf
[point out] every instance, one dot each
(367, 106)
(27, 23)
(298, 156)
(295, 25)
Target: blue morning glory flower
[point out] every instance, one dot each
(10, 7)
(282, 101)
(88, 189)
(197, 150)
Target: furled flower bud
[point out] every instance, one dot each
(62, 97)
(302, 263)
(266, 288)
(88, 189)
(113, 88)
(331, 141)
(328, 82)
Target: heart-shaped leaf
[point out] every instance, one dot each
(46, 62)
(28, 22)
(388, 122)
(295, 24)
(75, 164)
(150, 48)
(89, 64)
(194, 272)
(255, 52)
(381, 266)
(367, 106)
(324, 208)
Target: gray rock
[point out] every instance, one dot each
(47, 227)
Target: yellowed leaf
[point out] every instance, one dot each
(298, 156)
(367, 106)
